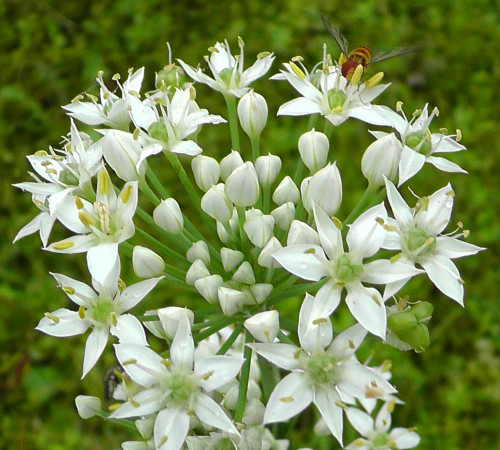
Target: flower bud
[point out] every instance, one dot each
(267, 167)
(407, 327)
(197, 270)
(206, 171)
(254, 414)
(313, 149)
(264, 326)
(381, 159)
(208, 287)
(171, 76)
(261, 291)
(259, 229)
(222, 233)
(301, 233)
(284, 215)
(422, 310)
(146, 263)
(324, 189)
(231, 301)
(199, 250)
(229, 164)
(168, 216)
(252, 112)
(87, 406)
(154, 326)
(286, 191)
(244, 274)
(216, 204)
(171, 316)
(230, 258)
(265, 258)
(242, 186)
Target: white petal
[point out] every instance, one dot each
(400, 209)
(346, 343)
(281, 355)
(383, 271)
(30, 228)
(367, 307)
(325, 400)
(69, 324)
(329, 234)
(209, 412)
(190, 148)
(403, 438)
(326, 300)
(371, 114)
(182, 348)
(362, 422)
(129, 330)
(149, 401)
(290, 396)
(81, 243)
(313, 335)
(445, 276)
(445, 165)
(102, 261)
(298, 107)
(82, 292)
(366, 235)
(452, 248)
(96, 342)
(132, 295)
(303, 260)
(172, 424)
(141, 363)
(258, 69)
(214, 371)
(411, 162)
(437, 215)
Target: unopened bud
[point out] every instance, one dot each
(259, 229)
(264, 326)
(199, 250)
(230, 258)
(266, 255)
(381, 159)
(208, 287)
(168, 216)
(267, 167)
(216, 204)
(252, 112)
(242, 186)
(206, 171)
(171, 316)
(87, 406)
(301, 233)
(122, 152)
(284, 215)
(197, 270)
(146, 263)
(313, 149)
(229, 164)
(286, 191)
(324, 189)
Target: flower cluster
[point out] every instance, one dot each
(250, 239)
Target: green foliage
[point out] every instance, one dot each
(50, 51)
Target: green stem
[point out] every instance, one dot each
(217, 326)
(255, 141)
(230, 340)
(296, 290)
(126, 423)
(233, 121)
(244, 377)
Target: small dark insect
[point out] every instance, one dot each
(112, 379)
(360, 55)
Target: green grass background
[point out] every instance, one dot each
(51, 50)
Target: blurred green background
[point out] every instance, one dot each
(50, 51)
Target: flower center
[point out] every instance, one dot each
(336, 99)
(158, 130)
(103, 311)
(105, 223)
(67, 176)
(181, 386)
(346, 271)
(417, 140)
(380, 440)
(418, 242)
(229, 76)
(322, 368)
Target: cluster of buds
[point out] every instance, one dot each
(250, 240)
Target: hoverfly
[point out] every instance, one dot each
(360, 55)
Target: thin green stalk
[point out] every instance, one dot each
(244, 377)
(217, 326)
(255, 141)
(233, 121)
(295, 290)
(124, 422)
(230, 340)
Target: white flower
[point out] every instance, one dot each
(320, 370)
(176, 388)
(346, 269)
(101, 308)
(420, 145)
(336, 99)
(417, 234)
(101, 226)
(229, 77)
(112, 110)
(376, 434)
(167, 123)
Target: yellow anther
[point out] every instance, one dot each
(41, 153)
(341, 404)
(166, 363)
(376, 300)
(125, 194)
(68, 290)
(337, 222)
(135, 134)
(288, 399)
(162, 440)
(337, 110)
(390, 406)
(342, 59)
(207, 375)
(459, 135)
(311, 250)
(192, 93)
(129, 361)
(351, 344)
(319, 321)
(100, 74)
(63, 245)
(387, 365)
(78, 202)
(51, 316)
(443, 130)
(114, 406)
(466, 233)
(77, 98)
(399, 106)
(297, 71)
(356, 76)
(134, 403)
(373, 81)
(114, 319)
(81, 312)
(262, 55)
(394, 258)
(115, 77)
(103, 182)
(297, 58)
(241, 42)
(435, 111)
(86, 219)
(121, 285)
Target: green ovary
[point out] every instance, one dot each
(415, 240)
(336, 98)
(322, 368)
(103, 310)
(347, 271)
(414, 139)
(182, 385)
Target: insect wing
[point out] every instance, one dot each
(336, 34)
(381, 56)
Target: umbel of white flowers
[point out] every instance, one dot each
(250, 263)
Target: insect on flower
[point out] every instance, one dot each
(360, 55)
